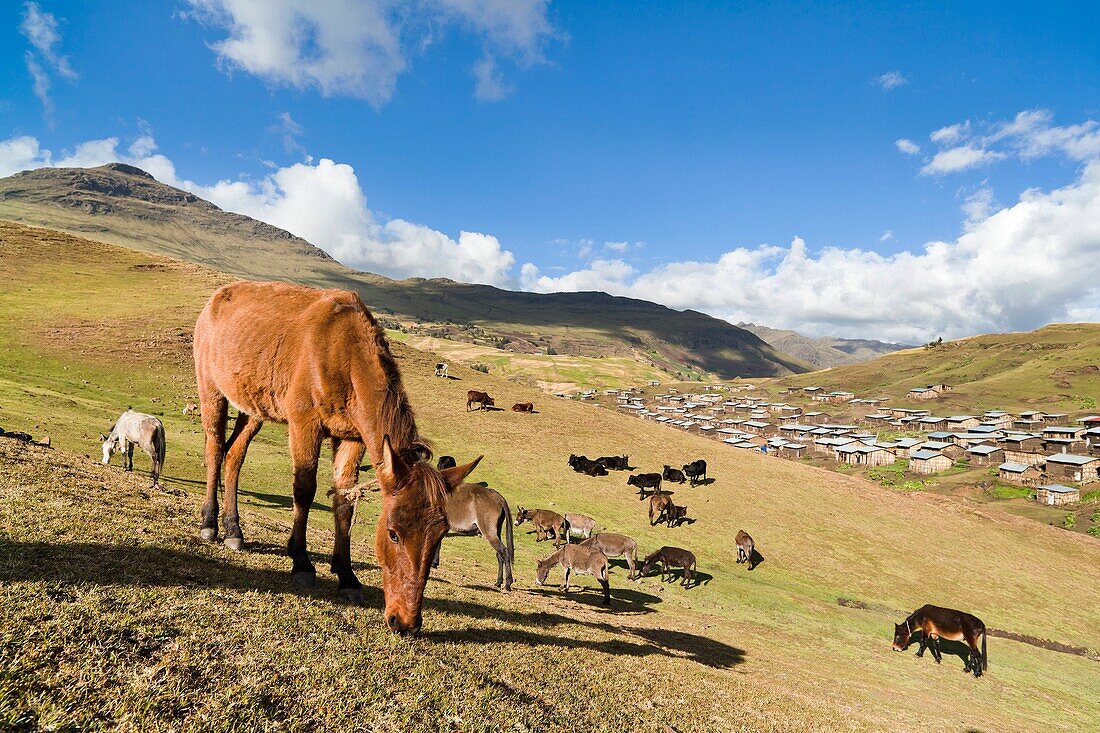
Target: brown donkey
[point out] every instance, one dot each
(547, 524)
(668, 558)
(935, 623)
(473, 509)
(615, 545)
(317, 361)
(580, 560)
(659, 507)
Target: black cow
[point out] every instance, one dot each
(674, 475)
(696, 471)
(582, 464)
(645, 481)
(446, 462)
(614, 463)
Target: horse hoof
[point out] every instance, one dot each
(304, 578)
(208, 534)
(234, 543)
(353, 596)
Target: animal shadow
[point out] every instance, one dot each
(755, 559)
(705, 482)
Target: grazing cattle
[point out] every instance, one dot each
(319, 362)
(615, 463)
(645, 481)
(191, 410)
(445, 462)
(481, 399)
(473, 509)
(136, 428)
(676, 515)
(658, 508)
(577, 559)
(668, 558)
(441, 370)
(523, 407)
(935, 623)
(696, 471)
(673, 475)
(547, 524)
(746, 548)
(580, 525)
(615, 545)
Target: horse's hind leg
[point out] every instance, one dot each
(245, 428)
(215, 409)
(346, 455)
(305, 447)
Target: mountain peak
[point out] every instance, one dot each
(130, 170)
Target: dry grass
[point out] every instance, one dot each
(91, 594)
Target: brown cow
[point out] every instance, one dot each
(481, 399)
(319, 362)
(547, 524)
(523, 407)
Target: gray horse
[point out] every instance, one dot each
(136, 428)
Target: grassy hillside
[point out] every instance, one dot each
(824, 352)
(115, 615)
(122, 205)
(1055, 368)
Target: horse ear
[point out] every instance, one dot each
(455, 476)
(391, 465)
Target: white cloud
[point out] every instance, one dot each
(891, 80)
(44, 56)
(358, 48)
(907, 146)
(617, 246)
(961, 158)
(886, 236)
(951, 133)
(979, 205)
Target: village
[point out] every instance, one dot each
(1054, 458)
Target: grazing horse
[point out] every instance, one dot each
(580, 560)
(935, 623)
(318, 361)
(446, 462)
(615, 463)
(746, 548)
(547, 524)
(673, 475)
(668, 558)
(523, 407)
(645, 481)
(579, 524)
(136, 428)
(696, 471)
(481, 399)
(659, 505)
(473, 509)
(615, 545)
(441, 370)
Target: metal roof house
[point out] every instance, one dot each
(1057, 494)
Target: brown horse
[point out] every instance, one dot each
(668, 558)
(659, 507)
(615, 545)
(547, 524)
(317, 361)
(577, 559)
(473, 509)
(935, 623)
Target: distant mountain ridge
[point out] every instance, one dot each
(124, 205)
(825, 352)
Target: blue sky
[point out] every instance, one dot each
(690, 153)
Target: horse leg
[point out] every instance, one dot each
(923, 644)
(936, 649)
(215, 412)
(245, 428)
(346, 455)
(305, 447)
(129, 455)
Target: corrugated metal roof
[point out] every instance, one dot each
(1013, 467)
(1071, 459)
(1058, 489)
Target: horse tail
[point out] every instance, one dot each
(985, 657)
(511, 548)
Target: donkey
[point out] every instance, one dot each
(136, 428)
(318, 361)
(645, 481)
(659, 506)
(935, 623)
(191, 410)
(547, 524)
(615, 545)
(746, 548)
(579, 524)
(668, 558)
(473, 509)
(481, 399)
(673, 475)
(580, 560)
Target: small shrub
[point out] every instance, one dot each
(1096, 516)
(1070, 521)
(483, 368)
(1094, 530)
(551, 351)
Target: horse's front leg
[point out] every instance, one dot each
(936, 649)
(346, 456)
(128, 456)
(305, 447)
(923, 644)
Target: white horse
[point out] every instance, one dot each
(136, 428)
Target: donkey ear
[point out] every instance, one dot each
(102, 438)
(391, 465)
(455, 476)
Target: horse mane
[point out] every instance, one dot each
(395, 414)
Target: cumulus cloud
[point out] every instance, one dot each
(44, 58)
(960, 158)
(907, 146)
(891, 80)
(886, 236)
(359, 48)
(951, 133)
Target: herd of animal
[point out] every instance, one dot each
(319, 362)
